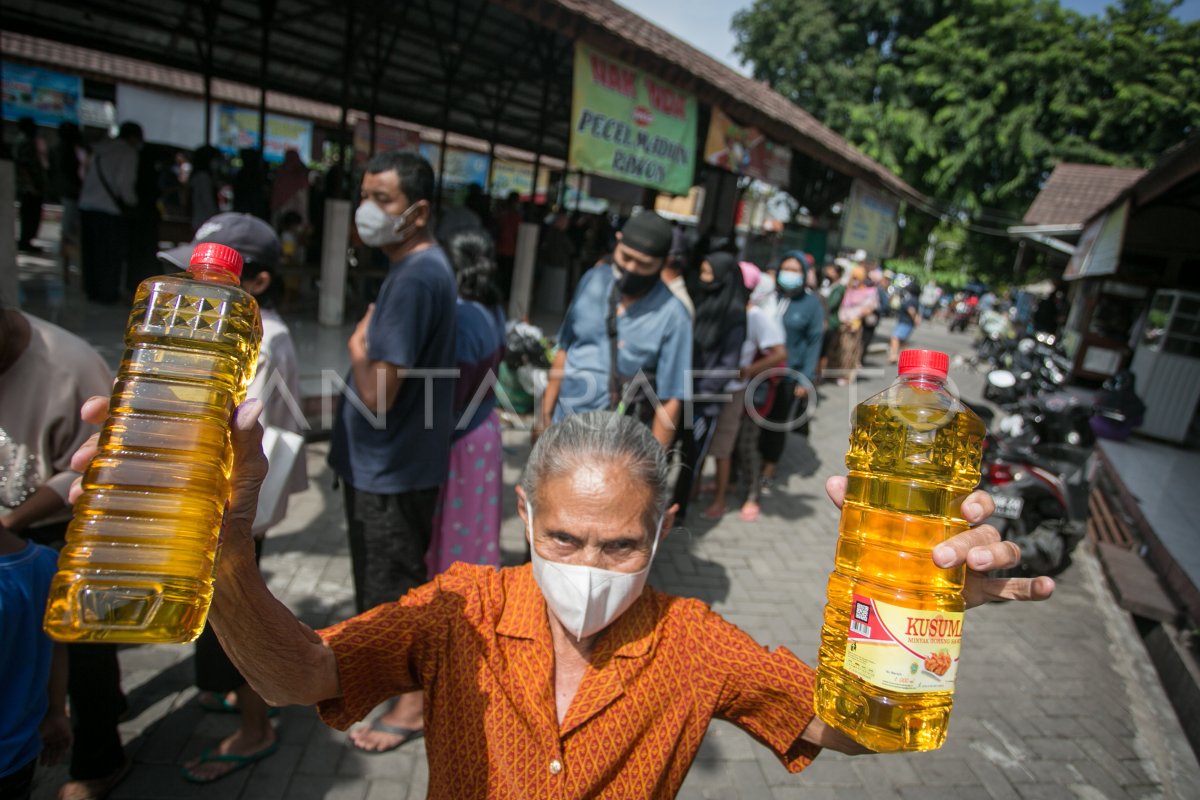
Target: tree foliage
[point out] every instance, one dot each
(973, 102)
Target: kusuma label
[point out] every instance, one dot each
(903, 649)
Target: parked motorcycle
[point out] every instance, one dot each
(1037, 467)
(962, 315)
(1028, 366)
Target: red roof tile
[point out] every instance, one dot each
(1075, 192)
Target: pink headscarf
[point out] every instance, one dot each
(751, 274)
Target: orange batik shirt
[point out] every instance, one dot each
(478, 643)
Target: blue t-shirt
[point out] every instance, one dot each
(412, 327)
(479, 346)
(24, 653)
(654, 333)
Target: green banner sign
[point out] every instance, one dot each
(628, 125)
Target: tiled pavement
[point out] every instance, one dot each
(1055, 700)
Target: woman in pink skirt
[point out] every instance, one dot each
(466, 525)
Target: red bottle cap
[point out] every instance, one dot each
(211, 254)
(925, 362)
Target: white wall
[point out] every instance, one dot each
(165, 118)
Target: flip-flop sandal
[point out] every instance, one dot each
(749, 516)
(239, 762)
(407, 734)
(223, 706)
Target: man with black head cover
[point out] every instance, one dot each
(623, 311)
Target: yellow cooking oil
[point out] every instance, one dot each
(893, 622)
(140, 552)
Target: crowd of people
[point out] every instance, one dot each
(121, 196)
(469, 652)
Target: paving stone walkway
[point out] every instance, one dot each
(1056, 700)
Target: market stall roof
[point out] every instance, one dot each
(499, 70)
(94, 63)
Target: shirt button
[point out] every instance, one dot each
(555, 767)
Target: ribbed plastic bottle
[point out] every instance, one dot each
(893, 622)
(138, 563)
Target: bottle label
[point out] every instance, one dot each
(903, 649)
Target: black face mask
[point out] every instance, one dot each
(633, 284)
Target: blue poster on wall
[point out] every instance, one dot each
(236, 129)
(51, 98)
(463, 167)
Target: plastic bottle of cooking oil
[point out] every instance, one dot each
(893, 623)
(138, 563)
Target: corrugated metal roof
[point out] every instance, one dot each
(108, 67)
(496, 70)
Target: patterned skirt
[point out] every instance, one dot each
(466, 524)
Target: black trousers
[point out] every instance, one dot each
(214, 671)
(784, 409)
(31, 218)
(105, 246)
(693, 447)
(389, 537)
(18, 785)
(94, 691)
(867, 335)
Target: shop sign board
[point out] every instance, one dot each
(236, 129)
(1099, 249)
(869, 221)
(50, 98)
(387, 138)
(746, 151)
(463, 167)
(517, 176)
(629, 125)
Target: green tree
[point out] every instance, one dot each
(974, 102)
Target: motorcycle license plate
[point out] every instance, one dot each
(1008, 507)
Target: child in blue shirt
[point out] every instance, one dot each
(33, 670)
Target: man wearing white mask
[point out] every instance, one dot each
(391, 450)
(567, 677)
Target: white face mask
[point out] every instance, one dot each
(379, 228)
(587, 599)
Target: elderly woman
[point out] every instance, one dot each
(859, 303)
(567, 677)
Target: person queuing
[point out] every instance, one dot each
(737, 432)
(391, 436)
(859, 302)
(801, 315)
(832, 290)
(277, 385)
(29, 158)
(626, 341)
(107, 200)
(40, 361)
(33, 670)
(720, 332)
(566, 676)
(907, 318)
(466, 525)
(68, 163)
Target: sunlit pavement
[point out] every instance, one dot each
(1054, 700)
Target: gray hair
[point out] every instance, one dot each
(600, 437)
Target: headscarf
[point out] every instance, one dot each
(806, 262)
(858, 301)
(761, 294)
(720, 305)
